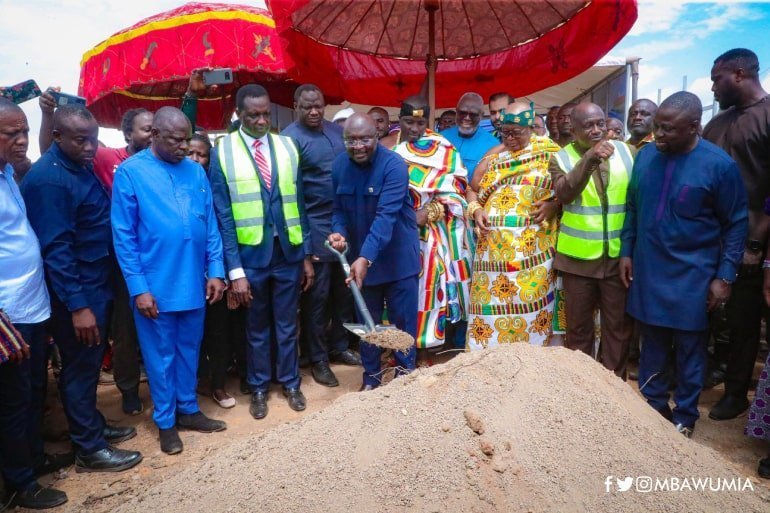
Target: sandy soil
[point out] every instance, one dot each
(568, 424)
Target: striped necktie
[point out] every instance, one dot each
(264, 169)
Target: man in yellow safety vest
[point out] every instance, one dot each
(260, 206)
(590, 177)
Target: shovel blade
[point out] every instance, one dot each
(356, 329)
(360, 329)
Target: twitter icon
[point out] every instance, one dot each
(624, 484)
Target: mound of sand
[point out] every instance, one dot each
(514, 429)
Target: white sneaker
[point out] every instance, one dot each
(227, 402)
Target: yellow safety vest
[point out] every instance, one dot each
(588, 225)
(242, 177)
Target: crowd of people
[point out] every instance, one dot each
(190, 258)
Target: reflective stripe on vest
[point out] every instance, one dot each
(244, 185)
(586, 225)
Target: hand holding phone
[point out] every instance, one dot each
(21, 92)
(66, 99)
(218, 76)
(47, 101)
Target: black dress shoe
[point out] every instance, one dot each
(116, 434)
(296, 399)
(764, 468)
(324, 375)
(346, 357)
(729, 407)
(108, 459)
(366, 388)
(170, 443)
(199, 422)
(258, 407)
(37, 497)
(53, 462)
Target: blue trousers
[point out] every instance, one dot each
(691, 360)
(171, 346)
(273, 315)
(401, 296)
(79, 377)
(21, 412)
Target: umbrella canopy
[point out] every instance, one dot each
(149, 64)
(374, 51)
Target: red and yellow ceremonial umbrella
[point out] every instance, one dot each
(374, 51)
(149, 64)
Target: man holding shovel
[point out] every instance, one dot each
(374, 219)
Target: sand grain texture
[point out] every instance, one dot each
(515, 429)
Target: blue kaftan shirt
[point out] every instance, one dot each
(165, 230)
(686, 224)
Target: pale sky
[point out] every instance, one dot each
(45, 40)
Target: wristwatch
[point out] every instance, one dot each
(369, 262)
(754, 245)
(726, 282)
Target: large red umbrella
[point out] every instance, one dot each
(374, 51)
(149, 64)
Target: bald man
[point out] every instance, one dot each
(471, 142)
(373, 217)
(24, 300)
(381, 120)
(170, 251)
(590, 177)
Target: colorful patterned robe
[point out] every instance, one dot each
(512, 290)
(436, 173)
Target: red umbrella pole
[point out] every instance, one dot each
(431, 6)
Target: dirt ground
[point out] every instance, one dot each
(102, 492)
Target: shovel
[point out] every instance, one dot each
(386, 337)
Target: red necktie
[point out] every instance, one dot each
(264, 169)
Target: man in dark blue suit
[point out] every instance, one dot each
(373, 217)
(69, 209)
(319, 142)
(259, 203)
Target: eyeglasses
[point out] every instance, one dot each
(462, 114)
(505, 134)
(352, 142)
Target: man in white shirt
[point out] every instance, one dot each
(24, 299)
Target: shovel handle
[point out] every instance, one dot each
(357, 297)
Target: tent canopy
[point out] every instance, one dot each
(573, 89)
